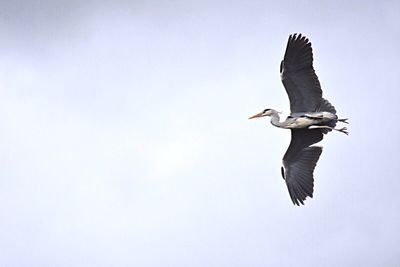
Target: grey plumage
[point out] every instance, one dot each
(299, 162)
(311, 117)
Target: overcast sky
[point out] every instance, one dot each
(124, 138)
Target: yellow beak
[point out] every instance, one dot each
(258, 115)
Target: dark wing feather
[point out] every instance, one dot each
(299, 163)
(298, 75)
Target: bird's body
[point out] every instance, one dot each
(302, 120)
(311, 117)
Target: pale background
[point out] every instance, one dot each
(125, 139)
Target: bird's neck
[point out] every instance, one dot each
(275, 120)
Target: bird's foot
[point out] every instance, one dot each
(343, 120)
(343, 130)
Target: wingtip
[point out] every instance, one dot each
(301, 201)
(299, 37)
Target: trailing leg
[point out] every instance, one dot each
(342, 130)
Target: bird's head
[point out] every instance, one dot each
(265, 112)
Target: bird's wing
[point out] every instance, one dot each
(298, 75)
(299, 162)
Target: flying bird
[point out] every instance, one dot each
(311, 116)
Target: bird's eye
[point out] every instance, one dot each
(265, 110)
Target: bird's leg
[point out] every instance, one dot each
(342, 130)
(320, 127)
(343, 120)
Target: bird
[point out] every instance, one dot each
(311, 117)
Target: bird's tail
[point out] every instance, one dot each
(324, 105)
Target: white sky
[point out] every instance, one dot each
(125, 139)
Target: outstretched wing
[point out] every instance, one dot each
(298, 75)
(299, 163)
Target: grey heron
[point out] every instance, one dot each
(311, 116)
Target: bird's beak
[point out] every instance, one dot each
(258, 115)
